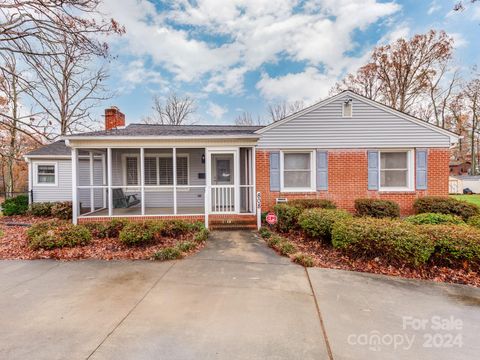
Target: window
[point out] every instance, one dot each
(347, 110)
(297, 171)
(395, 172)
(132, 170)
(158, 170)
(46, 174)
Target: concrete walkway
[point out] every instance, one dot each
(236, 299)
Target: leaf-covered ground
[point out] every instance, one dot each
(327, 257)
(14, 245)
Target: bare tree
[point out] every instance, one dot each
(68, 87)
(471, 95)
(18, 129)
(175, 110)
(283, 109)
(247, 119)
(27, 26)
(401, 74)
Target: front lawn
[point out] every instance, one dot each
(474, 199)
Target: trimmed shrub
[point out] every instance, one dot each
(274, 240)
(201, 235)
(286, 248)
(312, 203)
(17, 205)
(455, 246)
(392, 240)
(62, 210)
(434, 219)
(186, 246)
(50, 235)
(134, 234)
(474, 221)
(264, 232)
(287, 217)
(174, 228)
(446, 205)
(304, 259)
(168, 253)
(317, 223)
(41, 209)
(377, 208)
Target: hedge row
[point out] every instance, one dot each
(54, 234)
(18, 205)
(401, 242)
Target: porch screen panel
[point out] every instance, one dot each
(165, 166)
(150, 171)
(182, 170)
(132, 170)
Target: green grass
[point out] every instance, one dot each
(474, 199)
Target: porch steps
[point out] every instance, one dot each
(228, 224)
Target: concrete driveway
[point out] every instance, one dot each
(234, 300)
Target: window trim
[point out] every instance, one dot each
(313, 185)
(343, 108)
(158, 155)
(410, 171)
(35, 171)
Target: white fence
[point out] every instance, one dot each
(458, 183)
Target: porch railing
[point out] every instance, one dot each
(247, 196)
(223, 198)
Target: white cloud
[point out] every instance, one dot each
(434, 7)
(458, 40)
(182, 39)
(216, 111)
(136, 73)
(309, 86)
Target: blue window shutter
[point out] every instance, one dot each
(322, 170)
(421, 169)
(372, 170)
(275, 171)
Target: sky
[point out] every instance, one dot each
(233, 56)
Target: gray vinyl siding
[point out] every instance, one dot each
(369, 127)
(62, 191)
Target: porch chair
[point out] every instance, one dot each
(120, 200)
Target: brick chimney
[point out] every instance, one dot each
(114, 118)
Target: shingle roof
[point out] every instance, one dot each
(57, 148)
(175, 130)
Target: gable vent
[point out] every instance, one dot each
(347, 109)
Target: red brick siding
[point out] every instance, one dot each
(192, 218)
(348, 180)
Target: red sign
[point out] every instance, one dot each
(271, 218)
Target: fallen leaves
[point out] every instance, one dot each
(327, 257)
(14, 245)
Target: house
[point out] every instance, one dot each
(342, 148)
(459, 167)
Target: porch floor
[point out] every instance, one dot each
(149, 211)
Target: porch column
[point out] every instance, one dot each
(92, 192)
(208, 191)
(142, 179)
(74, 186)
(236, 164)
(253, 164)
(109, 181)
(174, 159)
(104, 180)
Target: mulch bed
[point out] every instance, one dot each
(327, 257)
(14, 245)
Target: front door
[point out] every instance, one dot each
(222, 182)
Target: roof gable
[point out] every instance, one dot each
(372, 125)
(353, 95)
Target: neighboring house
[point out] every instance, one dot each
(459, 167)
(343, 148)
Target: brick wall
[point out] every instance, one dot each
(348, 180)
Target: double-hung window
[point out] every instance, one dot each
(297, 171)
(396, 170)
(158, 170)
(46, 174)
